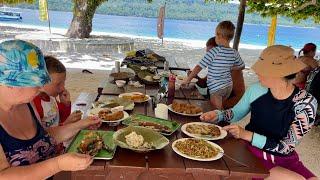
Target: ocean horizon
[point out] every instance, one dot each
(192, 33)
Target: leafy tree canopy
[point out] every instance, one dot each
(295, 9)
(16, 1)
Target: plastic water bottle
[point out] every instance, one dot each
(117, 66)
(166, 66)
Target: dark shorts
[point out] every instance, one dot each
(290, 162)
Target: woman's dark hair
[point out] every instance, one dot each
(54, 65)
(309, 47)
(212, 42)
(290, 77)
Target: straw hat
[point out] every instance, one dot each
(278, 61)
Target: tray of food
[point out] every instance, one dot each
(98, 144)
(136, 97)
(162, 126)
(203, 130)
(139, 139)
(143, 57)
(122, 76)
(127, 104)
(185, 109)
(197, 149)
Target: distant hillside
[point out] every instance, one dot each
(176, 9)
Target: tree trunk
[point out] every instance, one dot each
(242, 11)
(83, 12)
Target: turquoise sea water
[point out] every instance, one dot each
(177, 29)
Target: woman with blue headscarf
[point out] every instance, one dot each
(27, 151)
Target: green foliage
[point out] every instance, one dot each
(204, 10)
(14, 2)
(296, 9)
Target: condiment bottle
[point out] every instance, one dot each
(171, 88)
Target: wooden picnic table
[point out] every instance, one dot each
(165, 163)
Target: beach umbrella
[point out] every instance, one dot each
(272, 31)
(44, 13)
(160, 24)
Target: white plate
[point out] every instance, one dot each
(123, 94)
(95, 111)
(170, 108)
(218, 156)
(199, 136)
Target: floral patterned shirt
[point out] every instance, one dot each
(25, 152)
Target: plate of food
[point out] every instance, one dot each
(185, 109)
(121, 76)
(162, 126)
(136, 97)
(139, 139)
(148, 78)
(98, 144)
(122, 69)
(128, 105)
(109, 115)
(203, 130)
(197, 149)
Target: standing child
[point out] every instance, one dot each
(237, 80)
(220, 61)
(202, 82)
(51, 111)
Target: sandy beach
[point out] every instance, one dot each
(184, 53)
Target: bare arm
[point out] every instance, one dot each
(194, 73)
(66, 132)
(237, 68)
(40, 170)
(44, 169)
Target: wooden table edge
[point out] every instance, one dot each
(108, 167)
(176, 170)
(248, 174)
(209, 171)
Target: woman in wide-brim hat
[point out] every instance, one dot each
(281, 114)
(27, 151)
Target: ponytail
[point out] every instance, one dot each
(309, 47)
(299, 54)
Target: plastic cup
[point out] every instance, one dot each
(161, 111)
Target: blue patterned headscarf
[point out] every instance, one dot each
(22, 65)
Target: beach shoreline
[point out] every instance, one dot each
(186, 42)
(185, 53)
